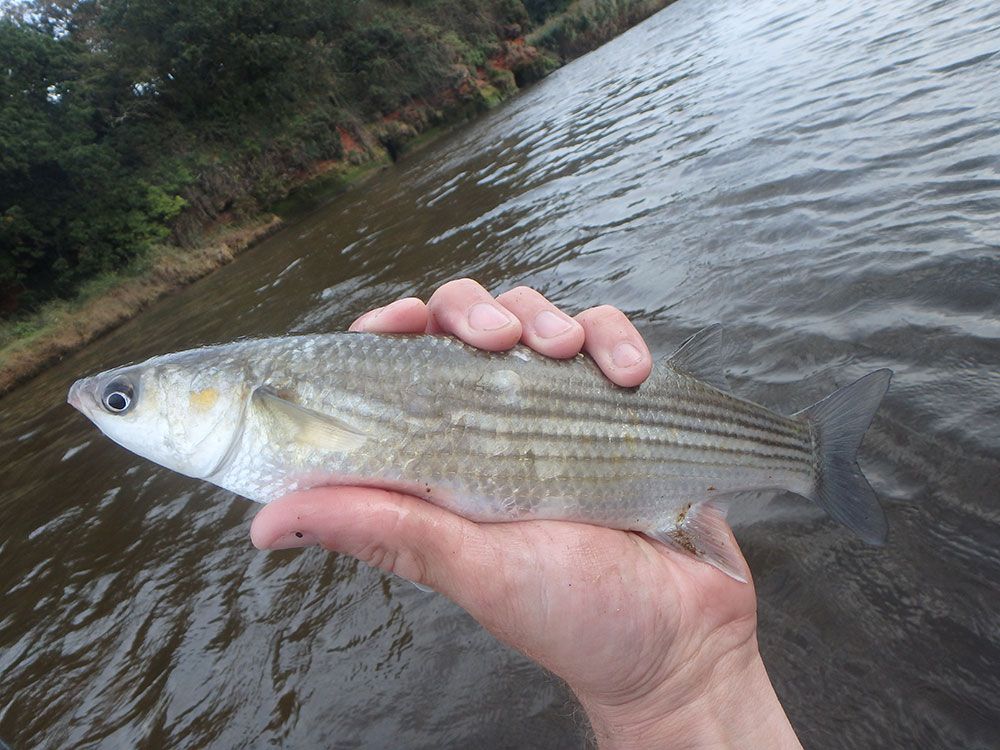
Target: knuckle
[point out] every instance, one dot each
(412, 567)
(520, 294)
(393, 551)
(401, 562)
(610, 312)
(604, 315)
(413, 303)
(378, 556)
(523, 302)
(455, 294)
(464, 284)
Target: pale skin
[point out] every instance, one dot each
(660, 649)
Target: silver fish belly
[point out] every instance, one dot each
(515, 435)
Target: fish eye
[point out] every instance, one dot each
(118, 397)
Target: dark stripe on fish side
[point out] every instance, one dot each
(691, 406)
(517, 445)
(584, 473)
(575, 388)
(625, 445)
(799, 442)
(570, 391)
(708, 407)
(501, 428)
(757, 462)
(612, 437)
(799, 446)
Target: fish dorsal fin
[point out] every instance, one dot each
(307, 426)
(701, 357)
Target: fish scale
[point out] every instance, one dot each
(493, 436)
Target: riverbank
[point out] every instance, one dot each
(104, 304)
(205, 238)
(64, 326)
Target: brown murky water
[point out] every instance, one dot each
(826, 182)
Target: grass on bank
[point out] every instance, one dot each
(107, 301)
(586, 24)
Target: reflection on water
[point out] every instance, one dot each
(823, 179)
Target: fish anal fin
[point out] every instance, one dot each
(701, 356)
(701, 532)
(307, 426)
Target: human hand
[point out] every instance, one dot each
(660, 649)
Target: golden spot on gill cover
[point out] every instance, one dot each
(205, 399)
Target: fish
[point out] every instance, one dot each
(492, 436)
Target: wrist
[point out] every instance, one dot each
(728, 704)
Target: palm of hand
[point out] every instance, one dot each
(570, 595)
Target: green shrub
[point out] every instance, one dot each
(127, 122)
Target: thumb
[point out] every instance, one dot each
(389, 530)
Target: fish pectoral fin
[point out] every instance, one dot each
(307, 426)
(701, 355)
(702, 532)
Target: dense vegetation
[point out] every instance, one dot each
(126, 123)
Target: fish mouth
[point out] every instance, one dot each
(75, 397)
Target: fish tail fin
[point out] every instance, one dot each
(839, 422)
(701, 532)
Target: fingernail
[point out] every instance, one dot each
(294, 539)
(625, 355)
(548, 325)
(485, 317)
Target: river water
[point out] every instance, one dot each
(824, 180)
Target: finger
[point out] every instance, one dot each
(391, 531)
(615, 345)
(544, 327)
(466, 310)
(407, 315)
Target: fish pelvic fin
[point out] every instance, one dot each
(701, 532)
(839, 423)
